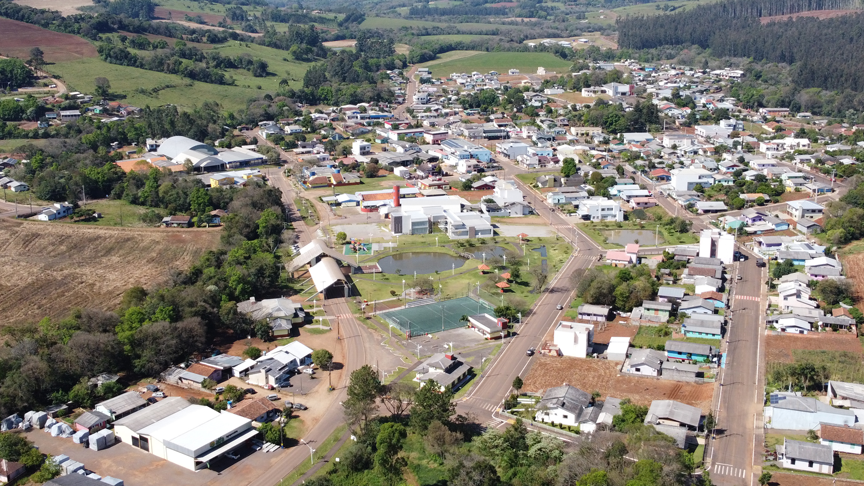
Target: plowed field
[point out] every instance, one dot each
(601, 375)
(18, 38)
(779, 348)
(46, 269)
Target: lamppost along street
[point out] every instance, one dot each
(311, 452)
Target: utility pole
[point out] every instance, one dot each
(83, 196)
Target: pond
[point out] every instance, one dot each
(420, 262)
(625, 237)
(490, 251)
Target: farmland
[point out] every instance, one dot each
(65, 7)
(602, 375)
(781, 349)
(18, 38)
(49, 268)
(607, 17)
(455, 37)
(525, 62)
(395, 23)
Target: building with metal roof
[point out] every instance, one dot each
(174, 146)
(670, 412)
(127, 428)
(122, 405)
(328, 278)
(806, 456)
(791, 411)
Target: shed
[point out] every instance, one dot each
(618, 347)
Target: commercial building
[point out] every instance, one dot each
(121, 405)
(458, 149)
(190, 437)
(687, 179)
(574, 339)
(790, 411)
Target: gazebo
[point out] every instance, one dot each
(482, 267)
(505, 275)
(522, 236)
(502, 286)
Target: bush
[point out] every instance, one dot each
(208, 384)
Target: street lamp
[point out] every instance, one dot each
(311, 452)
(418, 349)
(436, 241)
(391, 330)
(403, 288)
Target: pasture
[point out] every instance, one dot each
(65, 7)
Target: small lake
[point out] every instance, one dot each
(420, 262)
(625, 237)
(494, 251)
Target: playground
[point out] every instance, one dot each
(429, 315)
(357, 247)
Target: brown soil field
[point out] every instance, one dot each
(855, 270)
(18, 38)
(786, 479)
(819, 14)
(46, 269)
(65, 7)
(601, 375)
(341, 43)
(614, 329)
(177, 15)
(779, 348)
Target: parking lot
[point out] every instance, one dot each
(139, 468)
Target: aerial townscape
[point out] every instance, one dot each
(444, 243)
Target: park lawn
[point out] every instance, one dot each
(320, 451)
(295, 428)
(11, 144)
(525, 62)
(851, 469)
(530, 178)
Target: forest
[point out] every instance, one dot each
(827, 53)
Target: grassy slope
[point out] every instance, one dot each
(79, 76)
(393, 23)
(526, 62)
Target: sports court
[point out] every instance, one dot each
(430, 316)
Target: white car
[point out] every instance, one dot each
(309, 371)
(159, 394)
(273, 397)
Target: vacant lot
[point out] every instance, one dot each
(18, 38)
(48, 268)
(600, 375)
(854, 264)
(786, 479)
(65, 7)
(525, 62)
(780, 349)
(169, 14)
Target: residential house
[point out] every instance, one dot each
(196, 373)
(656, 308)
(574, 339)
(600, 209)
(844, 394)
(793, 325)
(822, 267)
(645, 361)
(261, 409)
(670, 294)
(693, 352)
(695, 305)
(806, 456)
(795, 295)
(808, 226)
(281, 314)
(18, 186)
(697, 328)
(674, 419)
(446, 370)
(791, 411)
(711, 207)
(570, 406)
(706, 284)
(842, 439)
(275, 367)
(590, 312)
(91, 421)
(55, 211)
(10, 471)
(177, 221)
(804, 208)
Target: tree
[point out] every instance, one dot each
(323, 359)
(631, 415)
(431, 404)
(37, 59)
(103, 86)
(13, 446)
(364, 387)
(233, 393)
(783, 268)
(208, 384)
(440, 440)
(200, 203)
(834, 291)
(252, 352)
(389, 444)
(710, 423)
(594, 478)
(398, 398)
(269, 224)
(517, 384)
(765, 478)
(341, 237)
(82, 394)
(478, 472)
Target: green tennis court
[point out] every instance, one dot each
(429, 316)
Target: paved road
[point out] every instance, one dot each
(410, 89)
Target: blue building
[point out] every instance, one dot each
(692, 352)
(460, 149)
(702, 329)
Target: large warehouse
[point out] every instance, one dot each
(187, 435)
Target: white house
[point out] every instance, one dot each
(790, 411)
(569, 405)
(18, 186)
(600, 209)
(804, 209)
(687, 179)
(647, 362)
(361, 147)
(56, 211)
(842, 439)
(574, 339)
(805, 456)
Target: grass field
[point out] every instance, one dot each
(395, 23)
(11, 144)
(46, 269)
(526, 62)
(143, 88)
(115, 213)
(650, 337)
(609, 16)
(320, 451)
(455, 37)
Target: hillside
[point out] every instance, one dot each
(46, 269)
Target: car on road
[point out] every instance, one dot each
(273, 397)
(739, 277)
(760, 262)
(300, 406)
(559, 307)
(530, 352)
(52, 85)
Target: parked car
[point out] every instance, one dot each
(300, 406)
(159, 395)
(233, 455)
(250, 391)
(739, 277)
(288, 404)
(309, 371)
(219, 389)
(273, 397)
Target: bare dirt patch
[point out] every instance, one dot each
(65, 7)
(786, 479)
(341, 43)
(779, 348)
(614, 329)
(46, 269)
(18, 38)
(600, 375)
(176, 15)
(819, 14)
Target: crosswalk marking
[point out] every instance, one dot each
(728, 470)
(747, 297)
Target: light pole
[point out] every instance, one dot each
(403, 288)
(484, 258)
(391, 330)
(436, 241)
(311, 452)
(418, 349)
(454, 269)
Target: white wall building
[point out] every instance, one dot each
(687, 179)
(714, 243)
(600, 209)
(574, 339)
(361, 147)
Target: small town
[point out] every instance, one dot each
(526, 243)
